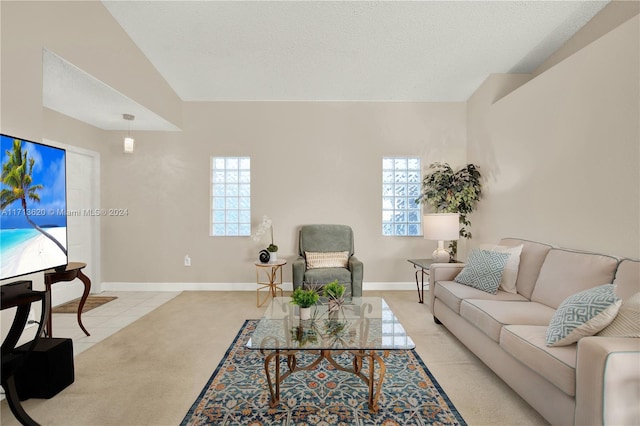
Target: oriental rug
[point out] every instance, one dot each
(237, 393)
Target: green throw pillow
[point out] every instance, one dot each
(483, 270)
(583, 314)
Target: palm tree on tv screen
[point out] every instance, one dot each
(16, 176)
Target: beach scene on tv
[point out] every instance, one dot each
(33, 219)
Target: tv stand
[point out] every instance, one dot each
(20, 295)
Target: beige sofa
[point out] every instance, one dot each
(594, 381)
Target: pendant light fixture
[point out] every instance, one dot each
(128, 140)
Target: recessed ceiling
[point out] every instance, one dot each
(345, 50)
(73, 92)
(432, 51)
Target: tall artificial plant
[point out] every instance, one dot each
(446, 191)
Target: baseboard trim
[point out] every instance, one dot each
(128, 286)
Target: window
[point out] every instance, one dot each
(401, 182)
(230, 196)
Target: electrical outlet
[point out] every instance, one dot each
(187, 260)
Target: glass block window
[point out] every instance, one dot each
(401, 180)
(230, 196)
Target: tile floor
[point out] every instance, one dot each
(105, 320)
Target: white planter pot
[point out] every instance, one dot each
(273, 256)
(305, 313)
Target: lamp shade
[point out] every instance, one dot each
(441, 226)
(128, 144)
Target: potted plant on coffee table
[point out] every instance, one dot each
(334, 291)
(305, 299)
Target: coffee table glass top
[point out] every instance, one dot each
(362, 323)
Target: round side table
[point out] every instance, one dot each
(269, 278)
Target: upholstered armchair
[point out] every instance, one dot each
(326, 254)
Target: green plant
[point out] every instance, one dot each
(272, 248)
(446, 191)
(334, 290)
(304, 298)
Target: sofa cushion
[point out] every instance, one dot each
(452, 294)
(491, 315)
(583, 314)
(527, 344)
(566, 272)
(531, 260)
(627, 321)
(627, 279)
(510, 274)
(483, 270)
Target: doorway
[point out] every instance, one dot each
(83, 229)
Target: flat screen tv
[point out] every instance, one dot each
(33, 207)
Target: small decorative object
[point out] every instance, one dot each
(264, 256)
(273, 254)
(335, 292)
(304, 299)
(305, 313)
(449, 192)
(262, 228)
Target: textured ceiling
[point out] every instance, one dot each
(345, 50)
(318, 51)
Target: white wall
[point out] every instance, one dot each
(562, 151)
(312, 162)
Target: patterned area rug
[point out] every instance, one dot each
(91, 303)
(237, 393)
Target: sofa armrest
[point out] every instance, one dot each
(298, 266)
(357, 268)
(441, 272)
(608, 381)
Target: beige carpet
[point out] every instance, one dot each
(151, 372)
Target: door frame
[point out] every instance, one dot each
(96, 265)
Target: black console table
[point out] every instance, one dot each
(20, 295)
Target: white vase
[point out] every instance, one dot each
(273, 256)
(305, 313)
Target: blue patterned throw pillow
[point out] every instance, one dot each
(583, 314)
(483, 270)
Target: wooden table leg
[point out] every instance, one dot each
(87, 288)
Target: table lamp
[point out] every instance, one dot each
(441, 227)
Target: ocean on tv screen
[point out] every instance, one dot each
(24, 251)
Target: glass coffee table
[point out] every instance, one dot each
(364, 327)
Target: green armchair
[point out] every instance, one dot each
(326, 254)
